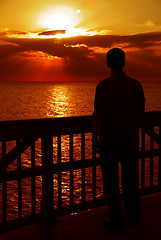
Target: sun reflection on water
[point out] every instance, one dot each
(59, 102)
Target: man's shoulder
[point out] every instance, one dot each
(134, 82)
(104, 81)
(128, 81)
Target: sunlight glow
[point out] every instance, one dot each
(61, 99)
(58, 22)
(59, 18)
(69, 32)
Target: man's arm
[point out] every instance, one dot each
(97, 117)
(96, 127)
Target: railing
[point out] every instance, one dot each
(47, 167)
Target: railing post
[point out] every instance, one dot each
(33, 183)
(83, 169)
(19, 185)
(94, 174)
(137, 155)
(71, 171)
(4, 188)
(47, 210)
(59, 173)
(143, 159)
(159, 160)
(152, 160)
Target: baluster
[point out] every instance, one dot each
(159, 162)
(83, 169)
(137, 154)
(143, 159)
(47, 179)
(151, 160)
(33, 188)
(19, 184)
(59, 173)
(4, 187)
(94, 174)
(71, 170)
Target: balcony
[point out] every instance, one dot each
(43, 160)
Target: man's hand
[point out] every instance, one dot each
(95, 145)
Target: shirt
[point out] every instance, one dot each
(119, 101)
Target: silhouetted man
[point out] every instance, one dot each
(118, 107)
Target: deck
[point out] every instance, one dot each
(89, 225)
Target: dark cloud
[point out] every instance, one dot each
(50, 46)
(76, 47)
(80, 56)
(8, 50)
(11, 32)
(52, 33)
(141, 40)
(22, 33)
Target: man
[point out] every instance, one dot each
(118, 108)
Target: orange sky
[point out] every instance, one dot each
(67, 40)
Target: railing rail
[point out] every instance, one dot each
(58, 174)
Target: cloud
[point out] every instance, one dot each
(10, 33)
(51, 33)
(75, 47)
(81, 55)
(54, 47)
(150, 24)
(8, 50)
(141, 40)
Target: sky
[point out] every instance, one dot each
(44, 40)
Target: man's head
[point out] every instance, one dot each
(115, 59)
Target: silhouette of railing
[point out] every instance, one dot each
(43, 167)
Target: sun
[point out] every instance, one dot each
(59, 18)
(58, 22)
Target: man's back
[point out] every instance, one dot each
(119, 101)
(119, 105)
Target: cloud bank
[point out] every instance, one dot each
(80, 56)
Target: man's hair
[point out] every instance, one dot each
(116, 59)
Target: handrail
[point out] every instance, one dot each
(20, 129)
(12, 130)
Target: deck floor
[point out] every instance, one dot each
(90, 225)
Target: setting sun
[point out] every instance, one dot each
(59, 18)
(58, 22)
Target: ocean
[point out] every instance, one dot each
(34, 100)
(29, 100)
